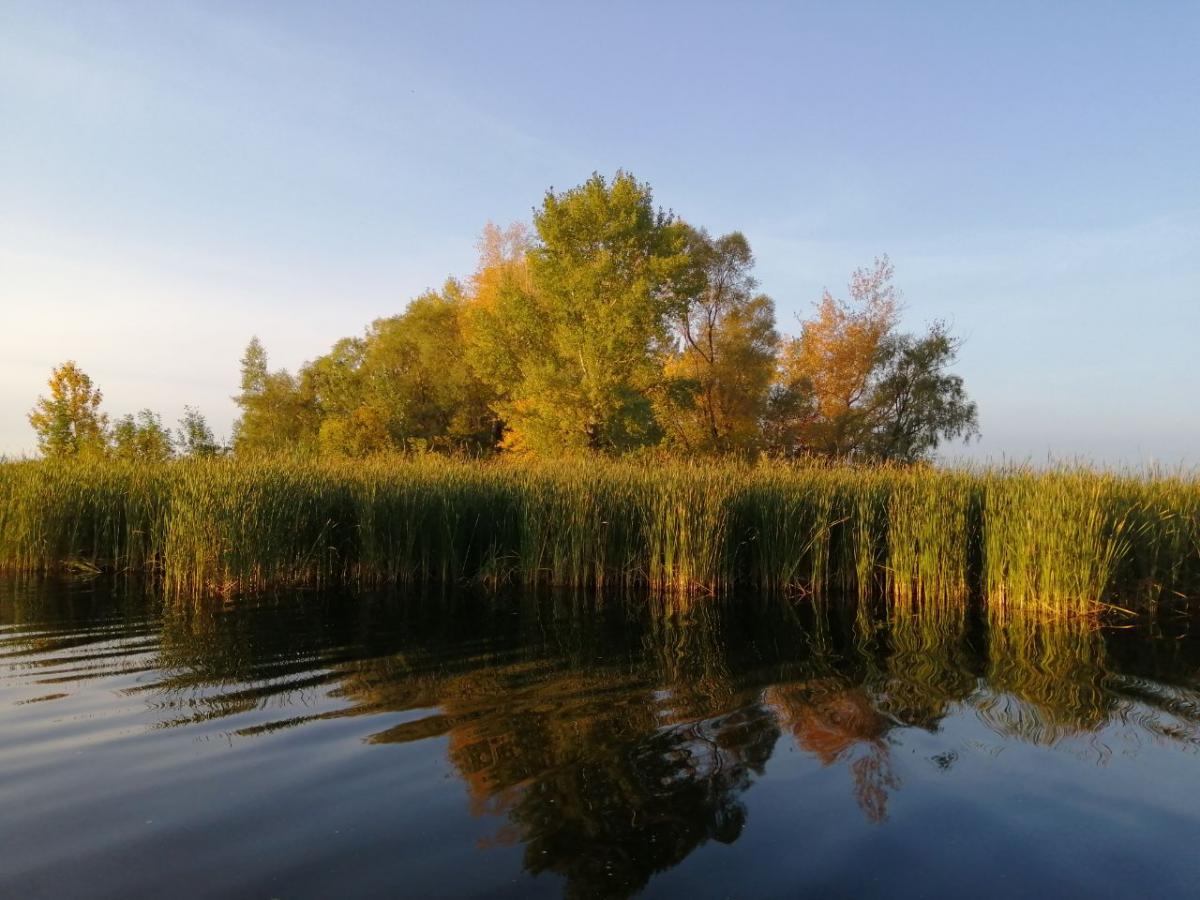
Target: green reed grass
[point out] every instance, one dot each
(1063, 540)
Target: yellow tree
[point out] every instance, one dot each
(830, 369)
(508, 338)
(500, 325)
(69, 421)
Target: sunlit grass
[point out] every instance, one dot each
(1063, 540)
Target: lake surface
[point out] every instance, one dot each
(312, 746)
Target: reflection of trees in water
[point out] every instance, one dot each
(611, 769)
(616, 741)
(571, 754)
(1035, 679)
(841, 724)
(903, 666)
(621, 811)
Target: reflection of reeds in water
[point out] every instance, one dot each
(613, 740)
(1047, 677)
(929, 665)
(1169, 714)
(690, 654)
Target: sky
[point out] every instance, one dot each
(178, 176)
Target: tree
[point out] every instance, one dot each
(418, 368)
(407, 384)
(721, 373)
(833, 361)
(69, 421)
(851, 384)
(333, 385)
(275, 414)
(500, 319)
(916, 403)
(587, 338)
(611, 327)
(194, 438)
(142, 438)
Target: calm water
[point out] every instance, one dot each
(347, 747)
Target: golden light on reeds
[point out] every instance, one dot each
(1065, 540)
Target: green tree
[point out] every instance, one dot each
(194, 438)
(723, 367)
(334, 382)
(591, 331)
(917, 404)
(142, 438)
(333, 385)
(69, 421)
(407, 384)
(276, 415)
(418, 369)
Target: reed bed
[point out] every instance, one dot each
(1064, 540)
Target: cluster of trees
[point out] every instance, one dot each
(69, 422)
(614, 326)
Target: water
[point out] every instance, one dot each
(372, 746)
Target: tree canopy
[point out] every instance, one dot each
(586, 332)
(142, 437)
(852, 384)
(69, 421)
(609, 326)
(614, 326)
(722, 361)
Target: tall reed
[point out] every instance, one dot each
(1062, 540)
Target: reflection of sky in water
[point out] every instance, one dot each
(313, 747)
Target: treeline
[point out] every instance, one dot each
(70, 423)
(613, 326)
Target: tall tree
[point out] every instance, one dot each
(69, 421)
(275, 414)
(500, 324)
(333, 384)
(420, 370)
(720, 374)
(407, 384)
(591, 331)
(836, 357)
(851, 384)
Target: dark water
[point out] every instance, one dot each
(351, 747)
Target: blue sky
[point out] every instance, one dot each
(177, 176)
